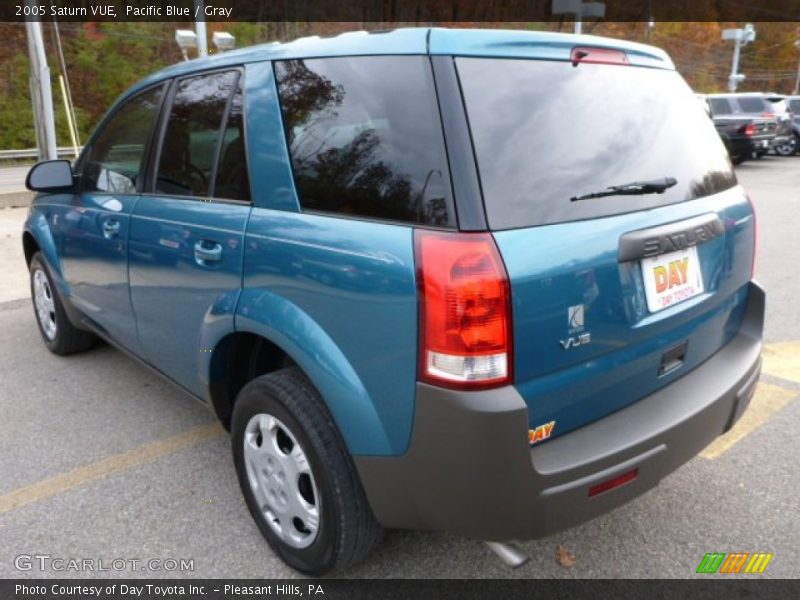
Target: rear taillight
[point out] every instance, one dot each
(750, 129)
(464, 310)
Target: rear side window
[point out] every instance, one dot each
(720, 106)
(545, 131)
(794, 105)
(365, 137)
(115, 158)
(193, 142)
(231, 179)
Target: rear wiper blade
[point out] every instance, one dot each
(636, 188)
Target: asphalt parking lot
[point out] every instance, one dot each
(101, 459)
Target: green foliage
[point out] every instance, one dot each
(15, 105)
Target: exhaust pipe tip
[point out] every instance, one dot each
(509, 554)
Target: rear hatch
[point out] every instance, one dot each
(612, 297)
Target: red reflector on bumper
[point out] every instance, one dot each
(618, 481)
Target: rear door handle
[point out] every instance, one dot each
(110, 228)
(206, 251)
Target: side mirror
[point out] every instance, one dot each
(50, 176)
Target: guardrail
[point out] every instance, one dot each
(34, 153)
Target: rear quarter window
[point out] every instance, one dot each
(545, 131)
(365, 137)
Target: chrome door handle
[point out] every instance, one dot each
(206, 251)
(110, 228)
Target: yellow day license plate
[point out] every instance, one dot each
(671, 278)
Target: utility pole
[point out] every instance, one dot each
(200, 26)
(41, 92)
(740, 37)
(66, 92)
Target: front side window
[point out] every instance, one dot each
(189, 148)
(365, 137)
(115, 158)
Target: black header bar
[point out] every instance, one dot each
(392, 11)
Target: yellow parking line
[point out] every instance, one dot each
(767, 400)
(112, 464)
(783, 360)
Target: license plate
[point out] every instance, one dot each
(671, 278)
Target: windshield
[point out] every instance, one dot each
(545, 131)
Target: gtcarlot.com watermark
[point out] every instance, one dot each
(60, 564)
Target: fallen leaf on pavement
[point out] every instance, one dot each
(564, 557)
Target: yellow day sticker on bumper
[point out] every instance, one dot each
(540, 433)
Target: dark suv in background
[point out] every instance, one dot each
(785, 143)
(746, 123)
(794, 108)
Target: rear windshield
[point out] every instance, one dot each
(545, 131)
(752, 104)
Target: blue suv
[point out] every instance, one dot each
(494, 283)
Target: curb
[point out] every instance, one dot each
(16, 199)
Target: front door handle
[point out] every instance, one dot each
(110, 228)
(206, 251)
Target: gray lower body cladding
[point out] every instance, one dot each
(469, 469)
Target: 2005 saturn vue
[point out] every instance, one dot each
(494, 283)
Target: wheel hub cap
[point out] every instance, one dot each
(281, 479)
(44, 303)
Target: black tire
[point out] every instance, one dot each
(738, 159)
(787, 149)
(347, 531)
(67, 339)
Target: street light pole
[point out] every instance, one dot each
(732, 80)
(200, 27)
(797, 81)
(740, 37)
(580, 9)
(41, 92)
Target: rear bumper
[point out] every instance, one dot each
(748, 144)
(469, 469)
(781, 139)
